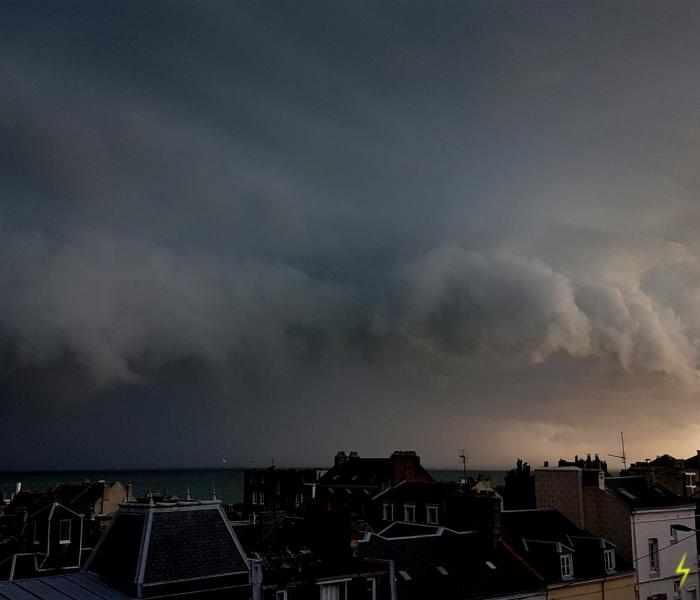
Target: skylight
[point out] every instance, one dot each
(630, 495)
(405, 575)
(490, 565)
(442, 570)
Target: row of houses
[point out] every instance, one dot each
(380, 529)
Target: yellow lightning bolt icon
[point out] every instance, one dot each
(681, 570)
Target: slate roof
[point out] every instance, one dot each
(150, 545)
(639, 493)
(546, 524)
(418, 491)
(366, 472)
(78, 586)
(190, 544)
(541, 536)
(451, 565)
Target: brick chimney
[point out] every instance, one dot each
(340, 458)
(405, 463)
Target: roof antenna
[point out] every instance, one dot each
(213, 492)
(464, 456)
(187, 494)
(622, 456)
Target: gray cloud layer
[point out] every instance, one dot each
(430, 208)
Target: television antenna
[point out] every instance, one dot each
(622, 456)
(464, 456)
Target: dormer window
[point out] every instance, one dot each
(409, 513)
(609, 556)
(567, 566)
(64, 531)
(431, 514)
(388, 511)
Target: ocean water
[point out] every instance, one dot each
(228, 483)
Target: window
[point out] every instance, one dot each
(409, 513)
(371, 588)
(654, 556)
(431, 514)
(388, 512)
(64, 531)
(330, 591)
(299, 499)
(36, 532)
(281, 595)
(278, 487)
(261, 497)
(677, 589)
(255, 496)
(609, 556)
(567, 566)
(690, 484)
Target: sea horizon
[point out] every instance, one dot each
(226, 483)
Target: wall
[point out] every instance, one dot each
(617, 588)
(656, 523)
(561, 488)
(609, 518)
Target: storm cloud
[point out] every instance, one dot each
(485, 213)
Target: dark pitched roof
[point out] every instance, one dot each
(451, 566)
(692, 462)
(546, 524)
(638, 492)
(418, 491)
(540, 536)
(158, 544)
(78, 586)
(360, 471)
(665, 460)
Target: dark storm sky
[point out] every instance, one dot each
(271, 230)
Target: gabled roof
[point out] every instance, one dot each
(639, 493)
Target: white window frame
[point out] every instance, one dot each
(61, 539)
(609, 558)
(327, 586)
(255, 496)
(406, 508)
(372, 588)
(261, 497)
(388, 511)
(690, 483)
(428, 509)
(566, 564)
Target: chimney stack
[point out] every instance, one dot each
(405, 464)
(340, 458)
